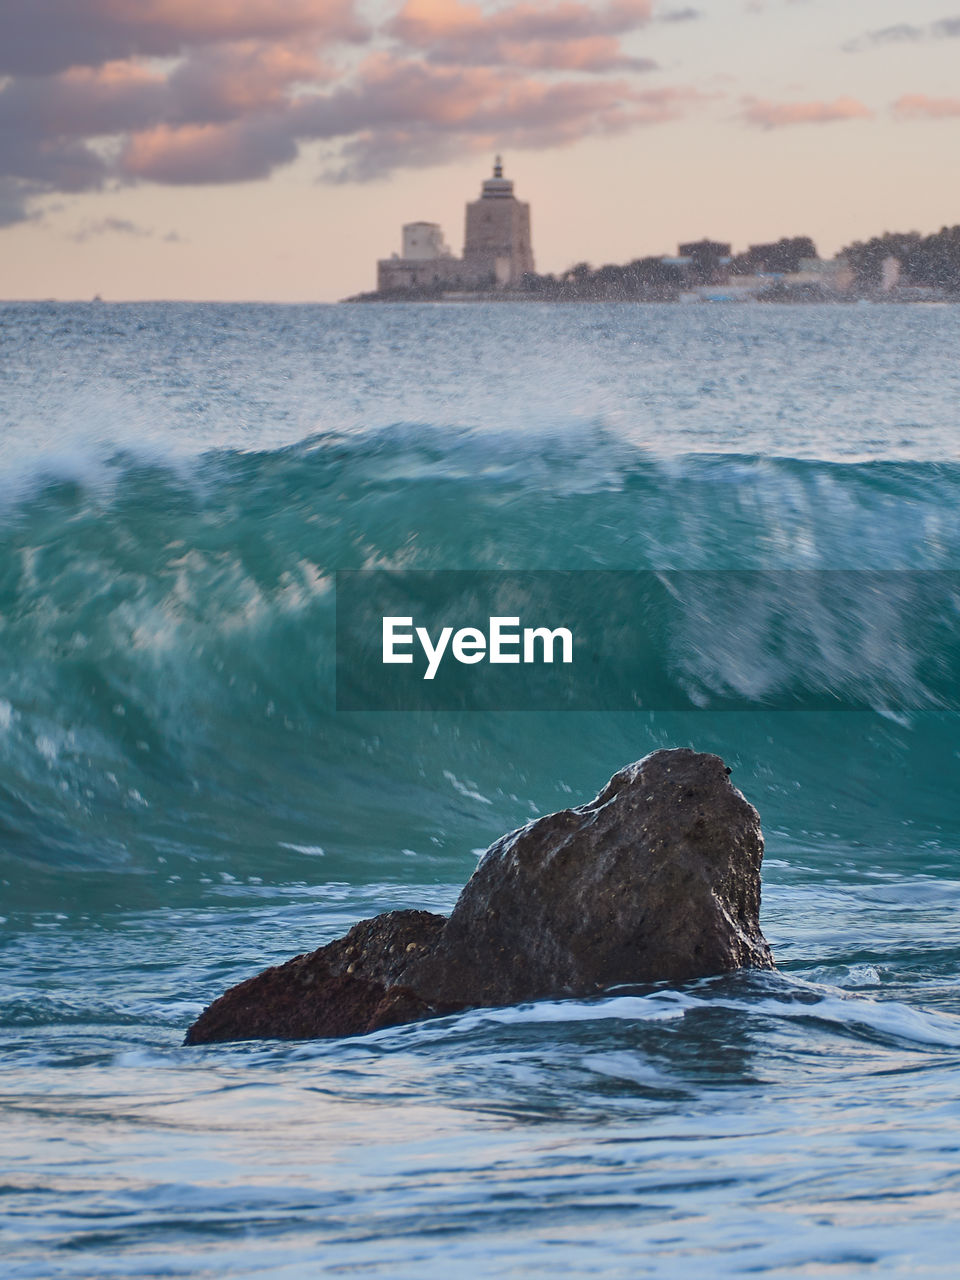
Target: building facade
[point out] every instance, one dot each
(497, 247)
(497, 236)
(423, 242)
(424, 262)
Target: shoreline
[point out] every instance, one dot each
(500, 298)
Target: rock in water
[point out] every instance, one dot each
(657, 879)
(348, 986)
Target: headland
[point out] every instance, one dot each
(497, 265)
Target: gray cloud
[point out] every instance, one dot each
(46, 122)
(40, 37)
(15, 197)
(110, 226)
(905, 33)
(29, 171)
(229, 82)
(45, 125)
(82, 103)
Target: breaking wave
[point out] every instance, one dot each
(166, 630)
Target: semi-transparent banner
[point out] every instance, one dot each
(612, 640)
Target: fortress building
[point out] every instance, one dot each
(497, 249)
(497, 237)
(424, 262)
(423, 242)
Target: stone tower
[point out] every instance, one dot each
(497, 239)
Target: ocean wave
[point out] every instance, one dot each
(166, 689)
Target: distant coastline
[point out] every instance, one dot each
(501, 296)
(896, 267)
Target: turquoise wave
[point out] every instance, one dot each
(166, 658)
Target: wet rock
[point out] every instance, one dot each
(349, 986)
(656, 879)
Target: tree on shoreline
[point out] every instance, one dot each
(782, 257)
(932, 260)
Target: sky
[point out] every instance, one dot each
(271, 149)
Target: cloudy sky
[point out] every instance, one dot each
(271, 149)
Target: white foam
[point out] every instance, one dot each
(661, 1006)
(466, 789)
(887, 1017)
(623, 1065)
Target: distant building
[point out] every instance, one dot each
(424, 262)
(834, 274)
(890, 272)
(497, 240)
(423, 241)
(497, 248)
(711, 250)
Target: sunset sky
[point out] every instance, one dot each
(271, 149)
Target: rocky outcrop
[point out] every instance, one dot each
(351, 985)
(656, 879)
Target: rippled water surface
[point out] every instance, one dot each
(180, 805)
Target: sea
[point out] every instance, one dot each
(182, 804)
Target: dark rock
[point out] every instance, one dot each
(657, 879)
(349, 986)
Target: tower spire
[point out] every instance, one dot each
(498, 167)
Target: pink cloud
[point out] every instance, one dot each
(562, 35)
(917, 106)
(400, 112)
(220, 83)
(588, 53)
(407, 112)
(392, 89)
(224, 82)
(208, 153)
(426, 21)
(777, 115)
(255, 79)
